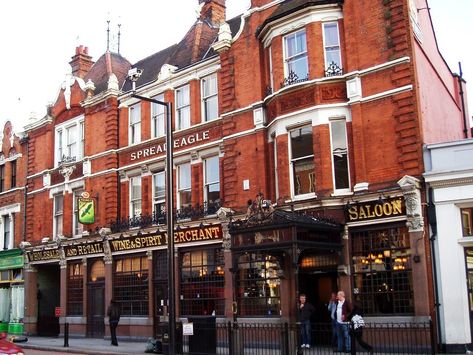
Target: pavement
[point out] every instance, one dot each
(84, 346)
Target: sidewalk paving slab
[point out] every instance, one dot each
(84, 346)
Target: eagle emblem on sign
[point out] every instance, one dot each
(86, 209)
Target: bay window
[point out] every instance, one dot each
(338, 137)
(159, 193)
(302, 161)
(333, 60)
(184, 192)
(212, 182)
(135, 196)
(295, 56)
(158, 118)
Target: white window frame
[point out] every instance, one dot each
(182, 108)
(158, 118)
(348, 189)
(185, 188)
(340, 64)
(134, 127)
(210, 183)
(61, 140)
(291, 164)
(77, 228)
(135, 199)
(206, 98)
(4, 245)
(58, 215)
(157, 200)
(271, 76)
(286, 60)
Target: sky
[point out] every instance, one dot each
(38, 39)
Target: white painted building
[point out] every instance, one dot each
(449, 179)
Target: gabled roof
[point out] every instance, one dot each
(107, 64)
(290, 6)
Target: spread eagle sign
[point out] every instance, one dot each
(86, 210)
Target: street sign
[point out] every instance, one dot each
(188, 329)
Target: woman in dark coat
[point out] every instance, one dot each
(357, 325)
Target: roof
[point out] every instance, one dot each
(290, 6)
(107, 64)
(195, 47)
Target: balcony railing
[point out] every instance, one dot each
(333, 69)
(293, 78)
(158, 217)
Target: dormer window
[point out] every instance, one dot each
(295, 57)
(69, 141)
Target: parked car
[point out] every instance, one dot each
(7, 347)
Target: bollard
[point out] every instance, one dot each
(66, 335)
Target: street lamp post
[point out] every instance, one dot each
(134, 75)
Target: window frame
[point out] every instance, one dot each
(13, 166)
(135, 200)
(295, 57)
(2, 177)
(180, 189)
(75, 288)
(134, 127)
(467, 218)
(207, 183)
(61, 140)
(206, 98)
(159, 201)
(334, 180)
(298, 159)
(327, 64)
(77, 227)
(182, 108)
(58, 216)
(158, 117)
(8, 233)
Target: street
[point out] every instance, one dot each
(41, 352)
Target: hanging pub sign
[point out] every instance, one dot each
(86, 210)
(362, 211)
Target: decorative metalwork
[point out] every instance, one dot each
(268, 91)
(293, 78)
(67, 160)
(158, 217)
(333, 69)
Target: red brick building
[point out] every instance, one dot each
(12, 218)
(298, 133)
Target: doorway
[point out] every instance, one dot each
(48, 296)
(318, 286)
(96, 299)
(160, 283)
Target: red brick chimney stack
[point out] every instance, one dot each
(213, 11)
(81, 62)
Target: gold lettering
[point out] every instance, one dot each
(208, 233)
(397, 206)
(362, 213)
(387, 209)
(194, 234)
(353, 213)
(378, 210)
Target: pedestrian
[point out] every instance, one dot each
(332, 308)
(305, 310)
(343, 324)
(113, 313)
(358, 323)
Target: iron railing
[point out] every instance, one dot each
(234, 338)
(158, 217)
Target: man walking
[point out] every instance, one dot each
(332, 308)
(305, 312)
(113, 313)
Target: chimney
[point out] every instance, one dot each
(81, 62)
(213, 11)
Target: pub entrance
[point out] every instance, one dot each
(48, 296)
(96, 299)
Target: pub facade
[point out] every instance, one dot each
(297, 166)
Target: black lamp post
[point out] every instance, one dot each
(134, 75)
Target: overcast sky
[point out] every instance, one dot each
(38, 38)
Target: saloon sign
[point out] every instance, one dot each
(376, 209)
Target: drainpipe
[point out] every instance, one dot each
(25, 195)
(433, 227)
(462, 97)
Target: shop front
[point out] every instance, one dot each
(11, 291)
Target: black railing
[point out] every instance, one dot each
(333, 69)
(158, 217)
(284, 339)
(293, 78)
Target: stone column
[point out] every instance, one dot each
(31, 301)
(224, 217)
(149, 254)
(410, 187)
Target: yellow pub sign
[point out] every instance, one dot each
(376, 209)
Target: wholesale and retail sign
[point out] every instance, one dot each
(86, 210)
